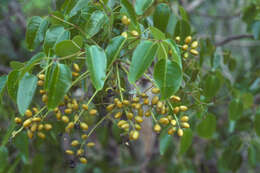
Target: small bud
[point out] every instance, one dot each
(69, 152)
(124, 34)
(40, 83)
(175, 98)
(155, 90)
(85, 107)
(27, 123)
(183, 108)
(194, 52)
(173, 122)
(185, 47)
(91, 144)
(157, 128)
(110, 107)
(74, 143)
(18, 120)
(194, 44)
(134, 135)
(124, 20)
(83, 160)
(28, 113)
(70, 125)
(155, 100)
(65, 119)
(126, 102)
(164, 121)
(75, 74)
(47, 127)
(83, 126)
(130, 115)
(135, 33)
(139, 119)
(76, 67)
(184, 118)
(118, 115)
(93, 112)
(188, 39)
(68, 111)
(177, 39)
(180, 132)
(84, 136)
(185, 125)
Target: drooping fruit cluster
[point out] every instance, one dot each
(188, 46)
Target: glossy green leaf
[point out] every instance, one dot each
(256, 30)
(157, 34)
(168, 77)
(165, 142)
(97, 63)
(257, 124)
(235, 109)
(95, 23)
(31, 63)
(176, 54)
(59, 85)
(66, 48)
(143, 56)
(12, 84)
(78, 6)
(207, 127)
(231, 160)
(129, 10)
(79, 40)
(113, 49)
(16, 65)
(35, 32)
(182, 29)
(53, 36)
(161, 16)
(21, 142)
(142, 5)
(26, 90)
(211, 85)
(3, 81)
(186, 141)
(3, 158)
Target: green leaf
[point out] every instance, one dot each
(129, 10)
(53, 36)
(3, 158)
(97, 63)
(256, 30)
(113, 49)
(207, 126)
(59, 85)
(78, 6)
(186, 141)
(16, 65)
(257, 124)
(176, 54)
(95, 23)
(66, 48)
(161, 16)
(183, 14)
(182, 29)
(211, 85)
(251, 155)
(12, 84)
(157, 34)
(143, 56)
(168, 77)
(142, 5)
(3, 80)
(26, 90)
(235, 109)
(35, 32)
(79, 40)
(21, 142)
(165, 142)
(31, 63)
(231, 160)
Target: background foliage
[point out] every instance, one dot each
(225, 123)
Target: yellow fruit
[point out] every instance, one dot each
(175, 98)
(159, 105)
(125, 126)
(29, 134)
(129, 115)
(42, 92)
(85, 107)
(75, 74)
(41, 76)
(194, 44)
(138, 106)
(183, 108)
(180, 132)
(44, 98)
(74, 143)
(34, 127)
(41, 135)
(173, 122)
(157, 128)
(185, 47)
(65, 119)
(75, 106)
(134, 135)
(118, 115)
(119, 104)
(138, 127)
(80, 152)
(70, 125)
(186, 55)
(83, 160)
(126, 102)
(140, 112)
(124, 34)
(135, 33)
(147, 113)
(116, 100)
(47, 127)
(177, 39)
(164, 121)
(83, 126)
(110, 107)
(185, 125)
(69, 152)
(120, 123)
(28, 113)
(35, 110)
(58, 115)
(176, 110)
(56, 109)
(84, 136)
(40, 127)
(184, 118)
(124, 20)
(40, 83)
(27, 123)
(143, 95)
(155, 100)
(139, 119)
(194, 52)
(155, 90)
(136, 99)
(68, 111)
(91, 144)
(93, 112)
(171, 130)
(76, 67)
(18, 120)
(146, 101)
(188, 39)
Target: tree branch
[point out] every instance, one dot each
(234, 37)
(221, 17)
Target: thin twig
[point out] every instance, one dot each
(234, 37)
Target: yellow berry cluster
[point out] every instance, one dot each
(126, 21)
(189, 46)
